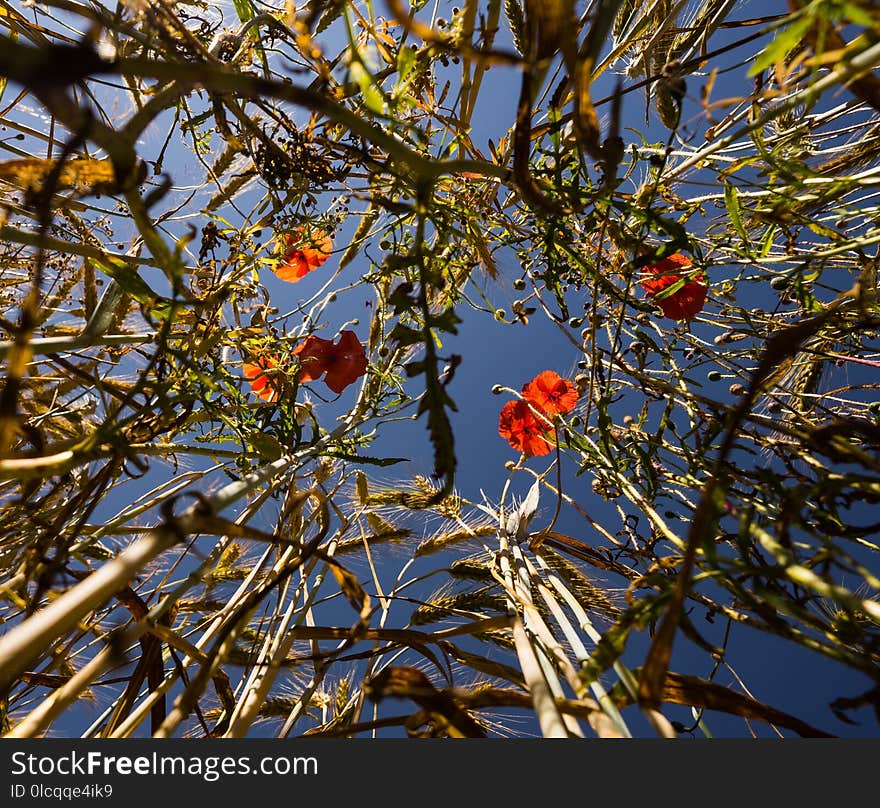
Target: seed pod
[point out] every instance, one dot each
(667, 109)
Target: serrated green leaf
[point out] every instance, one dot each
(403, 335)
(413, 369)
(370, 461)
(401, 298)
(447, 321)
(330, 15)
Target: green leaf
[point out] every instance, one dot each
(731, 200)
(266, 446)
(244, 9)
(856, 14)
(406, 61)
(413, 369)
(403, 335)
(767, 241)
(401, 298)
(447, 321)
(373, 98)
(330, 15)
(786, 40)
(135, 286)
(371, 461)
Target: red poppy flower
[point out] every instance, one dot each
(299, 258)
(688, 300)
(519, 427)
(550, 394)
(343, 362)
(314, 354)
(261, 383)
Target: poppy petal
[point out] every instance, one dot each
(349, 362)
(315, 355)
(298, 259)
(519, 427)
(685, 302)
(261, 384)
(550, 394)
(343, 362)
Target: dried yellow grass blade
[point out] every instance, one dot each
(84, 174)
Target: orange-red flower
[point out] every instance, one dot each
(550, 394)
(261, 383)
(343, 362)
(299, 257)
(518, 425)
(526, 424)
(688, 300)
